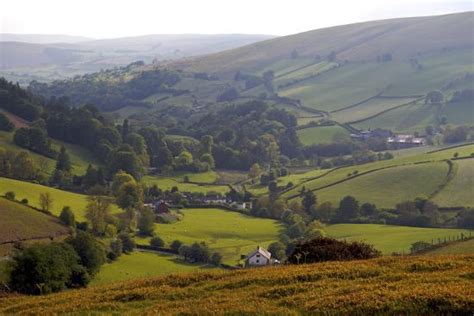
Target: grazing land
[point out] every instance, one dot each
(22, 223)
(31, 191)
(204, 182)
(322, 135)
(390, 239)
(457, 248)
(140, 265)
(230, 233)
(426, 285)
(460, 190)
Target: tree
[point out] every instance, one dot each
(348, 208)
(120, 178)
(67, 217)
(90, 251)
(63, 162)
(255, 171)
(116, 249)
(44, 268)
(277, 249)
(127, 242)
(216, 259)
(98, 213)
(368, 209)
(209, 160)
(129, 196)
(45, 201)
(175, 245)
(146, 222)
(309, 199)
(5, 124)
(10, 195)
(23, 166)
(435, 96)
(157, 242)
(323, 212)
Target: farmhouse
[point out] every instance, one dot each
(162, 208)
(405, 141)
(259, 257)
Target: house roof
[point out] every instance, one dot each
(260, 251)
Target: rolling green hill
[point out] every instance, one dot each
(31, 191)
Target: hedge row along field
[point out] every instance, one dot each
(390, 285)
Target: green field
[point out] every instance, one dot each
(31, 191)
(390, 186)
(230, 233)
(198, 182)
(368, 109)
(387, 238)
(322, 135)
(460, 190)
(458, 248)
(139, 265)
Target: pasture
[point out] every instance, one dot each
(457, 248)
(140, 265)
(19, 222)
(231, 234)
(31, 191)
(460, 190)
(322, 135)
(388, 238)
(198, 182)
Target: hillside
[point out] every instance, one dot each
(21, 223)
(402, 38)
(393, 285)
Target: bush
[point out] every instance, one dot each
(10, 195)
(43, 269)
(127, 242)
(67, 217)
(329, 249)
(157, 242)
(24, 201)
(116, 249)
(216, 259)
(5, 124)
(90, 252)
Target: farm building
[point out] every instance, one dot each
(259, 257)
(162, 208)
(405, 141)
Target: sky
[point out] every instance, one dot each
(120, 18)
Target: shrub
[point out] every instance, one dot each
(127, 241)
(157, 242)
(10, 195)
(329, 249)
(90, 252)
(67, 217)
(116, 249)
(24, 201)
(216, 259)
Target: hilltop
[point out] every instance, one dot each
(392, 285)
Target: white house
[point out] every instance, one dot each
(259, 257)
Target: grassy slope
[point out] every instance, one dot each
(388, 187)
(403, 38)
(322, 134)
(402, 159)
(142, 265)
(19, 222)
(460, 190)
(387, 238)
(201, 182)
(413, 285)
(80, 157)
(230, 233)
(458, 248)
(31, 191)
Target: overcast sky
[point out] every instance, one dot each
(118, 18)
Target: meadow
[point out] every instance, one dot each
(139, 265)
(389, 238)
(322, 135)
(230, 233)
(460, 190)
(390, 285)
(203, 182)
(31, 191)
(458, 248)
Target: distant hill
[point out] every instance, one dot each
(42, 38)
(63, 57)
(402, 38)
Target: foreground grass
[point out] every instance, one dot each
(389, 238)
(31, 191)
(391, 285)
(143, 265)
(230, 233)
